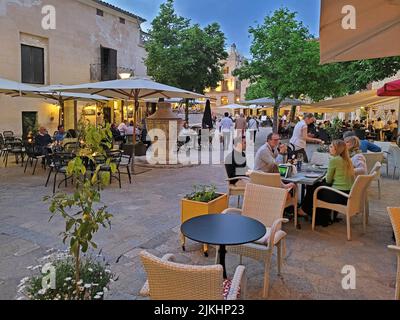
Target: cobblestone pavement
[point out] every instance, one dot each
(147, 216)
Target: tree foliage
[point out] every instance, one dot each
(285, 64)
(184, 55)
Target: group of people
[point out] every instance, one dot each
(377, 129)
(346, 163)
(125, 131)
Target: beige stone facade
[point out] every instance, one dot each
(231, 90)
(72, 53)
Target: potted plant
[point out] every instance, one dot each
(203, 200)
(83, 214)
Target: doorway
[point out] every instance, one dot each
(107, 114)
(29, 122)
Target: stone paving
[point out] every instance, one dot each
(147, 216)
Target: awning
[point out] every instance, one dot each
(376, 30)
(349, 103)
(390, 89)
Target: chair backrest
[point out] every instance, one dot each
(358, 192)
(128, 149)
(265, 204)
(394, 214)
(377, 168)
(8, 134)
(372, 158)
(395, 155)
(174, 281)
(266, 179)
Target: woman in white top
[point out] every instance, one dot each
(357, 158)
(300, 136)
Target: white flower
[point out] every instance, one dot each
(90, 270)
(80, 282)
(42, 291)
(97, 297)
(88, 285)
(68, 279)
(99, 293)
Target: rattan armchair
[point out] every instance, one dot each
(265, 204)
(355, 203)
(238, 188)
(174, 281)
(394, 214)
(372, 158)
(274, 180)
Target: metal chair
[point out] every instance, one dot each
(59, 164)
(126, 159)
(32, 155)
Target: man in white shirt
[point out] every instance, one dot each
(300, 137)
(226, 129)
(253, 127)
(123, 128)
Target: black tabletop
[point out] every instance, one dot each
(223, 229)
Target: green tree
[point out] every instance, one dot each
(184, 55)
(285, 62)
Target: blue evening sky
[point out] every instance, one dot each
(234, 16)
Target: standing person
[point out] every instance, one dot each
(253, 127)
(241, 124)
(300, 136)
(226, 128)
(378, 129)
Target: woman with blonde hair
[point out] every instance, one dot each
(357, 158)
(340, 176)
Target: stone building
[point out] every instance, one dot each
(66, 42)
(231, 90)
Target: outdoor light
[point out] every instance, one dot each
(125, 75)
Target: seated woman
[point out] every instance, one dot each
(340, 176)
(357, 158)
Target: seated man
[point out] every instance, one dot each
(42, 140)
(365, 145)
(269, 155)
(235, 162)
(60, 136)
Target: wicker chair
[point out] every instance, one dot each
(394, 214)
(274, 180)
(265, 204)
(356, 201)
(173, 281)
(372, 158)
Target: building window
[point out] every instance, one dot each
(122, 20)
(226, 70)
(225, 85)
(224, 101)
(32, 64)
(109, 70)
(238, 85)
(100, 12)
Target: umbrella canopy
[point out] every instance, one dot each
(132, 89)
(271, 102)
(390, 89)
(232, 107)
(207, 122)
(13, 87)
(359, 29)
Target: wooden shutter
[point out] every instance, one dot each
(32, 64)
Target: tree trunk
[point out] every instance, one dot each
(187, 111)
(276, 118)
(77, 271)
(293, 113)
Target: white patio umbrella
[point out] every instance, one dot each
(50, 93)
(133, 89)
(271, 102)
(13, 87)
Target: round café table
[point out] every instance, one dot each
(223, 230)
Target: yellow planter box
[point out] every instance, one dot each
(191, 209)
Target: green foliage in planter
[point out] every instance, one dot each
(94, 280)
(203, 193)
(82, 210)
(335, 130)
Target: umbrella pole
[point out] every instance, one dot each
(135, 114)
